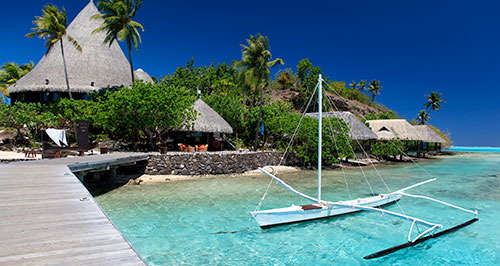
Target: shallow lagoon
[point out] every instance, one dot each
(185, 222)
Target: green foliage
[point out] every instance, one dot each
(349, 92)
(388, 148)
(423, 117)
(27, 118)
(52, 26)
(444, 135)
(434, 101)
(148, 108)
(233, 111)
(374, 89)
(219, 79)
(387, 115)
(254, 66)
(285, 80)
(73, 110)
(336, 144)
(10, 73)
(308, 78)
(307, 75)
(272, 116)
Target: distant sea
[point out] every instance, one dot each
(206, 221)
(474, 149)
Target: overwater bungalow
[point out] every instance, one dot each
(206, 131)
(418, 139)
(361, 135)
(97, 66)
(430, 141)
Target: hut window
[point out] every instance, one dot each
(92, 84)
(384, 129)
(46, 81)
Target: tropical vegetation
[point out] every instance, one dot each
(374, 89)
(423, 117)
(10, 73)
(118, 23)
(254, 70)
(52, 26)
(242, 92)
(433, 103)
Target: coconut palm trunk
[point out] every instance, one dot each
(129, 47)
(65, 70)
(260, 118)
(117, 22)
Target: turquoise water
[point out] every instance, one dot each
(474, 149)
(180, 223)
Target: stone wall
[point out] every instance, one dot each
(213, 163)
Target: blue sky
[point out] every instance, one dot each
(412, 47)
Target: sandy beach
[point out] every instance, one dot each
(16, 155)
(168, 178)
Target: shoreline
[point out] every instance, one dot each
(149, 179)
(153, 179)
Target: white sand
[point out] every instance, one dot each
(16, 155)
(168, 178)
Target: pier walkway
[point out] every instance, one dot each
(48, 217)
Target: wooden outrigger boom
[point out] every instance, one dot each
(417, 241)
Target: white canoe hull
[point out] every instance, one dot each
(296, 213)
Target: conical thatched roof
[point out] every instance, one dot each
(428, 135)
(208, 120)
(141, 75)
(97, 66)
(393, 129)
(357, 130)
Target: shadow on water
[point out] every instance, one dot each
(99, 183)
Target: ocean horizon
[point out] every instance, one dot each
(473, 148)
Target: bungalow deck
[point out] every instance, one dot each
(48, 217)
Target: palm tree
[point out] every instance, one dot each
(354, 85)
(374, 89)
(12, 72)
(423, 117)
(52, 26)
(434, 101)
(255, 63)
(362, 85)
(117, 16)
(286, 80)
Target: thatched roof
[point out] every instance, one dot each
(428, 135)
(357, 130)
(141, 75)
(97, 66)
(393, 129)
(208, 120)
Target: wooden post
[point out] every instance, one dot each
(418, 149)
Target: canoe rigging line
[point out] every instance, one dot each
(364, 152)
(287, 147)
(324, 209)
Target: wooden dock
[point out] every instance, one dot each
(48, 217)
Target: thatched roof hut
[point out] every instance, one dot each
(393, 129)
(141, 75)
(97, 66)
(357, 130)
(428, 135)
(208, 120)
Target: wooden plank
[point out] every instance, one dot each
(43, 220)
